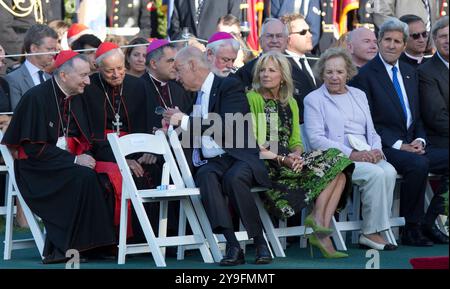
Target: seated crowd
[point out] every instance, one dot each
(370, 112)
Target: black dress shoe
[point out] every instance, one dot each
(434, 234)
(234, 256)
(414, 237)
(263, 255)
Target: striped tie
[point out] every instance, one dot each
(199, 11)
(426, 3)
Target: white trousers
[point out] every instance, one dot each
(376, 184)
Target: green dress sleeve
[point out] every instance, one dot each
(295, 140)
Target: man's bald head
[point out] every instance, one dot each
(362, 45)
(191, 68)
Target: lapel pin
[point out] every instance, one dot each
(50, 124)
(407, 77)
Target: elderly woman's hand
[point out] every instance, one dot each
(363, 156)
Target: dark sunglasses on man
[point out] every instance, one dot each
(416, 36)
(302, 32)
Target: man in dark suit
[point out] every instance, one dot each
(226, 169)
(433, 87)
(274, 35)
(309, 9)
(417, 41)
(200, 16)
(39, 38)
(392, 90)
(300, 45)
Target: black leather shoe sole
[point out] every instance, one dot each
(232, 262)
(263, 260)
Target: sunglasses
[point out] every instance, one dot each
(302, 32)
(416, 36)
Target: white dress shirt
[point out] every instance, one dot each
(297, 57)
(33, 70)
(210, 148)
(443, 60)
(398, 144)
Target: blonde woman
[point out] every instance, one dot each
(298, 179)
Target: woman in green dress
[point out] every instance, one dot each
(298, 179)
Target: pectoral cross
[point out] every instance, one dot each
(117, 123)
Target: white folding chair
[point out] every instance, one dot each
(272, 234)
(13, 195)
(154, 144)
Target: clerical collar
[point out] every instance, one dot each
(61, 89)
(161, 83)
(418, 59)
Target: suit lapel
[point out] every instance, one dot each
(27, 77)
(213, 93)
(387, 85)
(409, 87)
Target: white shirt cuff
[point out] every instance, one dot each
(398, 144)
(422, 140)
(75, 161)
(184, 122)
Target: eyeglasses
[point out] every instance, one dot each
(277, 36)
(416, 36)
(302, 32)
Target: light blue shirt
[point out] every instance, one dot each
(33, 70)
(398, 144)
(210, 148)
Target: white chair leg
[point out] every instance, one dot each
(337, 236)
(162, 228)
(196, 229)
(282, 223)
(181, 231)
(303, 240)
(9, 221)
(123, 228)
(269, 228)
(38, 236)
(205, 224)
(148, 232)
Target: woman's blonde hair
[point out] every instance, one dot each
(286, 86)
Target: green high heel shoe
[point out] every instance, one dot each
(313, 241)
(309, 222)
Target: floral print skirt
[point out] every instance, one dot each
(291, 191)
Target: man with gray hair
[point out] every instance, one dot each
(273, 37)
(225, 171)
(392, 89)
(362, 45)
(117, 102)
(38, 39)
(221, 52)
(54, 173)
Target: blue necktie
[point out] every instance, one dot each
(197, 112)
(41, 76)
(398, 89)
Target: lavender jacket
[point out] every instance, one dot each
(324, 123)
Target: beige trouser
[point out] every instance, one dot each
(376, 184)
